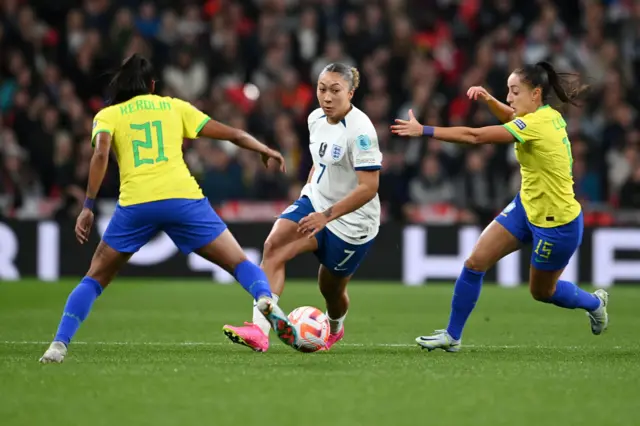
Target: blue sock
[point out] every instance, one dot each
(252, 279)
(570, 296)
(77, 308)
(465, 295)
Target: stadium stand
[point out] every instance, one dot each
(253, 64)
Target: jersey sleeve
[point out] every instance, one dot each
(313, 118)
(523, 129)
(365, 152)
(103, 122)
(193, 120)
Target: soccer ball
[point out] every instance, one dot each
(312, 327)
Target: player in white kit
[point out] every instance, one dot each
(337, 216)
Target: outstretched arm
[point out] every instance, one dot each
(216, 130)
(473, 136)
(501, 111)
(466, 135)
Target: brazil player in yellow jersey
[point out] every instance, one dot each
(545, 213)
(157, 193)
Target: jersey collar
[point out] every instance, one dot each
(344, 120)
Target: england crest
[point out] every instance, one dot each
(336, 151)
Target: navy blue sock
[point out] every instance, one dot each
(252, 279)
(570, 296)
(465, 295)
(77, 308)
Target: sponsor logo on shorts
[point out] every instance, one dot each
(508, 209)
(290, 209)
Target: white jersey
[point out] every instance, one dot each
(338, 151)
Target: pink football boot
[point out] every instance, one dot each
(334, 338)
(250, 336)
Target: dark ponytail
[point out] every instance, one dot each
(133, 78)
(567, 87)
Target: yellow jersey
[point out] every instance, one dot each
(147, 135)
(544, 153)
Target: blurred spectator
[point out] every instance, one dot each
(630, 193)
(187, 78)
(222, 178)
(254, 64)
(431, 186)
(477, 191)
(586, 183)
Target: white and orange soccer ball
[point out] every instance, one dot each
(312, 327)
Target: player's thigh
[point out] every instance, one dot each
(494, 243)
(504, 235)
(284, 241)
(339, 257)
(552, 251)
(224, 251)
(130, 228)
(193, 225)
(106, 263)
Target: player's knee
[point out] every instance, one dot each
(476, 263)
(103, 278)
(541, 294)
(270, 252)
(269, 249)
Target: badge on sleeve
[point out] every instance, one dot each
(364, 143)
(95, 123)
(521, 125)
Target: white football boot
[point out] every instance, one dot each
(440, 339)
(55, 354)
(599, 318)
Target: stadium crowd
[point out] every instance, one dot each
(253, 64)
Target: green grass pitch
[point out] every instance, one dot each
(154, 354)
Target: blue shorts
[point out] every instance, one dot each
(340, 257)
(552, 247)
(191, 224)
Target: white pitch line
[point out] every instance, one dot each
(361, 345)
(35, 342)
